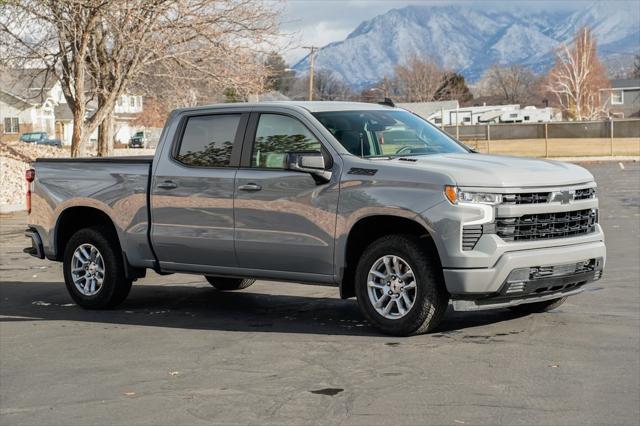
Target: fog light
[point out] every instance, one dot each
(518, 275)
(517, 287)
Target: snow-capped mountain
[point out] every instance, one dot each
(467, 38)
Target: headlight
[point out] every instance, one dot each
(455, 196)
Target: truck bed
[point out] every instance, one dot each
(117, 186)
(139, 159)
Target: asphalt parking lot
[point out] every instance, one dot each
(178, 352)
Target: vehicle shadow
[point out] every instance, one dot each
(204, 308)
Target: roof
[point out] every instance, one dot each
(13, 101)
(425, 109)
(626, 83)
(27, 84)
(63, 112)
(274, 95)
(311, 106)
(326, 106)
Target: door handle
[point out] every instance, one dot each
(167, 184)
(250, 187)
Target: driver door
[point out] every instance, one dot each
(284, 220)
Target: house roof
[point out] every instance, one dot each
(425, 109)
(29, 85)
(625, 83)
(13, 101)
(63, 112)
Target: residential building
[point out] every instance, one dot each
(32, 100)
(427, 109)
(27, 103)
(622, 100)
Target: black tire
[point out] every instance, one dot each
(537, 307)
(431, 297)
(115, 287)
(228, 284)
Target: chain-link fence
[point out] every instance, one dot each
(553, 130)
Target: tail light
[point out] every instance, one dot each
(30, 176)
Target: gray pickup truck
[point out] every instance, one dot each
(369, 198)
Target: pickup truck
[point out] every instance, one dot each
(365, 197)
(139, 140)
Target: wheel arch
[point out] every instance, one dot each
(368, 229)
(72, 219)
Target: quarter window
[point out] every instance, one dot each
(207, 141)
(278, 135)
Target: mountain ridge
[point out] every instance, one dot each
(469, 40)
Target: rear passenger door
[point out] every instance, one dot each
(192, 192)
(285, 220)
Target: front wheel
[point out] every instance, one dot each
(94, 269)
(227, 284)
(400, 287)
(537, 307)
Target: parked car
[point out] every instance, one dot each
(309, 192)
(40, 138)
(139, 140)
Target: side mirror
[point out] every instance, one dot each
(308, 162)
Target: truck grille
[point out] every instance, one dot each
(526, 198)
(547, 225)
(585, 194)
(544, 197)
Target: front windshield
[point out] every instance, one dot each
(380, 133)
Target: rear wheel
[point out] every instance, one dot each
(537, 307)
(226, 284)
(94, 269)
(400, 287)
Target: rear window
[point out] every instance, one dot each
(207, 141)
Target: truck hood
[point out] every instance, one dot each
(483, 170)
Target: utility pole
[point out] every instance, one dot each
(312, 57)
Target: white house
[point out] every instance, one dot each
(31, 100)
(26, 104)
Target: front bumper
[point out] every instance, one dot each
(474, 305)
(478, 283)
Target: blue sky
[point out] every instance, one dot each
(319, 22)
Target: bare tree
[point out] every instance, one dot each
(327, 86)
(578, 77)
(97, 48)
(514, 84)
(417, 80)
(635, 70)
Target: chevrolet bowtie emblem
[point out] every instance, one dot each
(565, 197)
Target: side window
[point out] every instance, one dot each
(277, 135)
(208, 140)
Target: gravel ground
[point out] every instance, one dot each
(178, 352)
